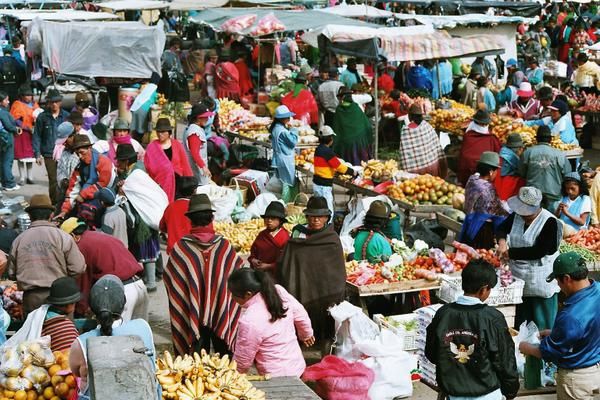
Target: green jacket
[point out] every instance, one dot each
(378, 246)
(544, 167)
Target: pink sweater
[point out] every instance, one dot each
(273, 345)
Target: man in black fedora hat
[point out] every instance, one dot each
(44, 137)
(199, 266)
(95, 171)
(317, 285)
(42, 254)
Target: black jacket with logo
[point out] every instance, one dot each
(473, 351)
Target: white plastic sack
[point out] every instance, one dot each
(148, 199)
(352, 326)
(223, 200)
(260, 177)
(391, 364)
(358, 208)
(260, 204)
(274, 185)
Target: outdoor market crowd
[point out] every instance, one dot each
(93, 248)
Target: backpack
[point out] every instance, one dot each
(8, 73)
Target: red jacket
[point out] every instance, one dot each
(175, 223)
(268, 248)
(474, 144)
(106, 174)
(104, 254)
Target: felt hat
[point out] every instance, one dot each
(25, 90)
(65, 130)
(108, 295)
(275, 210)
(527, 202)
(514, 141)
(64, 291)
(525, 90)
(80, 141)
(511, 62)
(53, 95)
(163, 125)
(70, 224)
(200, 110)
(567, 263)
(105, 195)
(573, 176)
(40, 201)
(100, 130)
(490, 158)
(415, 109)
(482, 117)
(199, 202)
(120, 124)
(76, 118)
(560, 106)
(283, 112)
(326, 130)
(125, 151)
(317, 207)
(82, 98)
(379, 209)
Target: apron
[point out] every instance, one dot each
(575, 209)
(194, 129)
(533, 272)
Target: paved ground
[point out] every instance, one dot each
(159, 314)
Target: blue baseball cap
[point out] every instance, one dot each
(511, 63)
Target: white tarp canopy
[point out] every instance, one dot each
(357, 11)
(98, 49)
(412, 43)
(58, 15)
(452, 21)
(187, 5)
(124, 5)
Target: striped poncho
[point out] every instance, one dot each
(196, 281)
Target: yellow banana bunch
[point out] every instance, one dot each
(204, 377)
(379, 170)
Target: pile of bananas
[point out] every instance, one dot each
(527, 134)
(378, 170)
(203, 377)
(560, 145)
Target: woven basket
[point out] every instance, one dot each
(298, 206)
(243, 190)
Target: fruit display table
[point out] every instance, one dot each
(284, 388)
(359, 294)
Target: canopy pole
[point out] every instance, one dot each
(376, 113)
(439, 82)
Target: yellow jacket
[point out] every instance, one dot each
(595, 197)
(587, 75)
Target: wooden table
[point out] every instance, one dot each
(359, 294)
(286, 388)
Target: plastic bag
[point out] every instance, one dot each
(338, 379)
(224, 200)
(267, 24)
(352, 326)
(358, 208)
(236, 24)
(15, 384)
(148, 199)
(37, 375)
(260, 204)
(528, 333)
(10, 362)
(391, 365)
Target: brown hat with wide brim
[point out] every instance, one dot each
(163, 125)
(40, 201)
(80, 141)
(199, 202)
(317, 207)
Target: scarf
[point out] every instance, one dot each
(112, 148)
(297, 89)
(510, 162)
(59, 147)
(204, 234)
(475, 127)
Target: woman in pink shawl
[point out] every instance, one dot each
(165, 158)
(227, 81)
(121, 135)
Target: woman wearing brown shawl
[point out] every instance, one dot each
(312, 268)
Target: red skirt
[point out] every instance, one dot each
(23, 146)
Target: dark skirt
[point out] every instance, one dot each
(148, 250)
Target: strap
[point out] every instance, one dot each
(366, 244)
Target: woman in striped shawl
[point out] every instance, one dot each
(201, 308)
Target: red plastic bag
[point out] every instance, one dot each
(338, 379)
(267, 24)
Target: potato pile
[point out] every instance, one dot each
(205, 377)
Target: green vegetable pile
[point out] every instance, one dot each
(586, 254)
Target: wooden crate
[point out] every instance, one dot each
(393, 287)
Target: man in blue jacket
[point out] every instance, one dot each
(44, 138)
(574, 342)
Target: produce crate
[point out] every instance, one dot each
(393, 287)
(448, 222)
(409, 337)
(451, 289)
